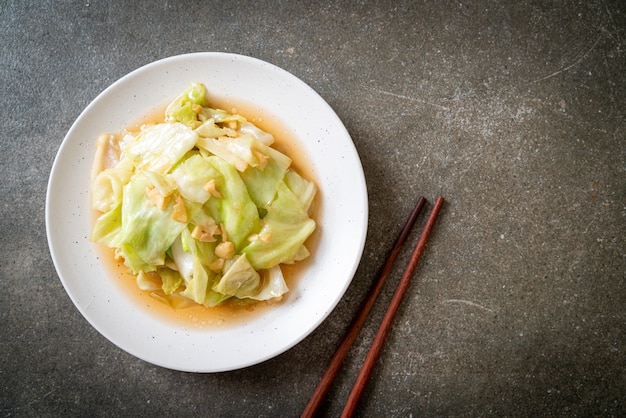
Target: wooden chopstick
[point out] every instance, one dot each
(385, 326)
(339, 356)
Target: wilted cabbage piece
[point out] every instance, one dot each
(201, 207)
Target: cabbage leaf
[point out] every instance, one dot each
(284, 230)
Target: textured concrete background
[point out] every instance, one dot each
(513, 112)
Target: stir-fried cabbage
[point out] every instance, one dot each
(201, 206)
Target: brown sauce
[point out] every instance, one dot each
(232, 312)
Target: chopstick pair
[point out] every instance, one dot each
(342, 351)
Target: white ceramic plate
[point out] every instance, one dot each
(342, 214)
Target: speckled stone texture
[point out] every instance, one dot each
(514, 112)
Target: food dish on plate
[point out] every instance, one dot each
(200, 206)
(279, 99)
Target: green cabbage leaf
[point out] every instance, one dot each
(284, 230)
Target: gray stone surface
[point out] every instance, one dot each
(514, 112)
